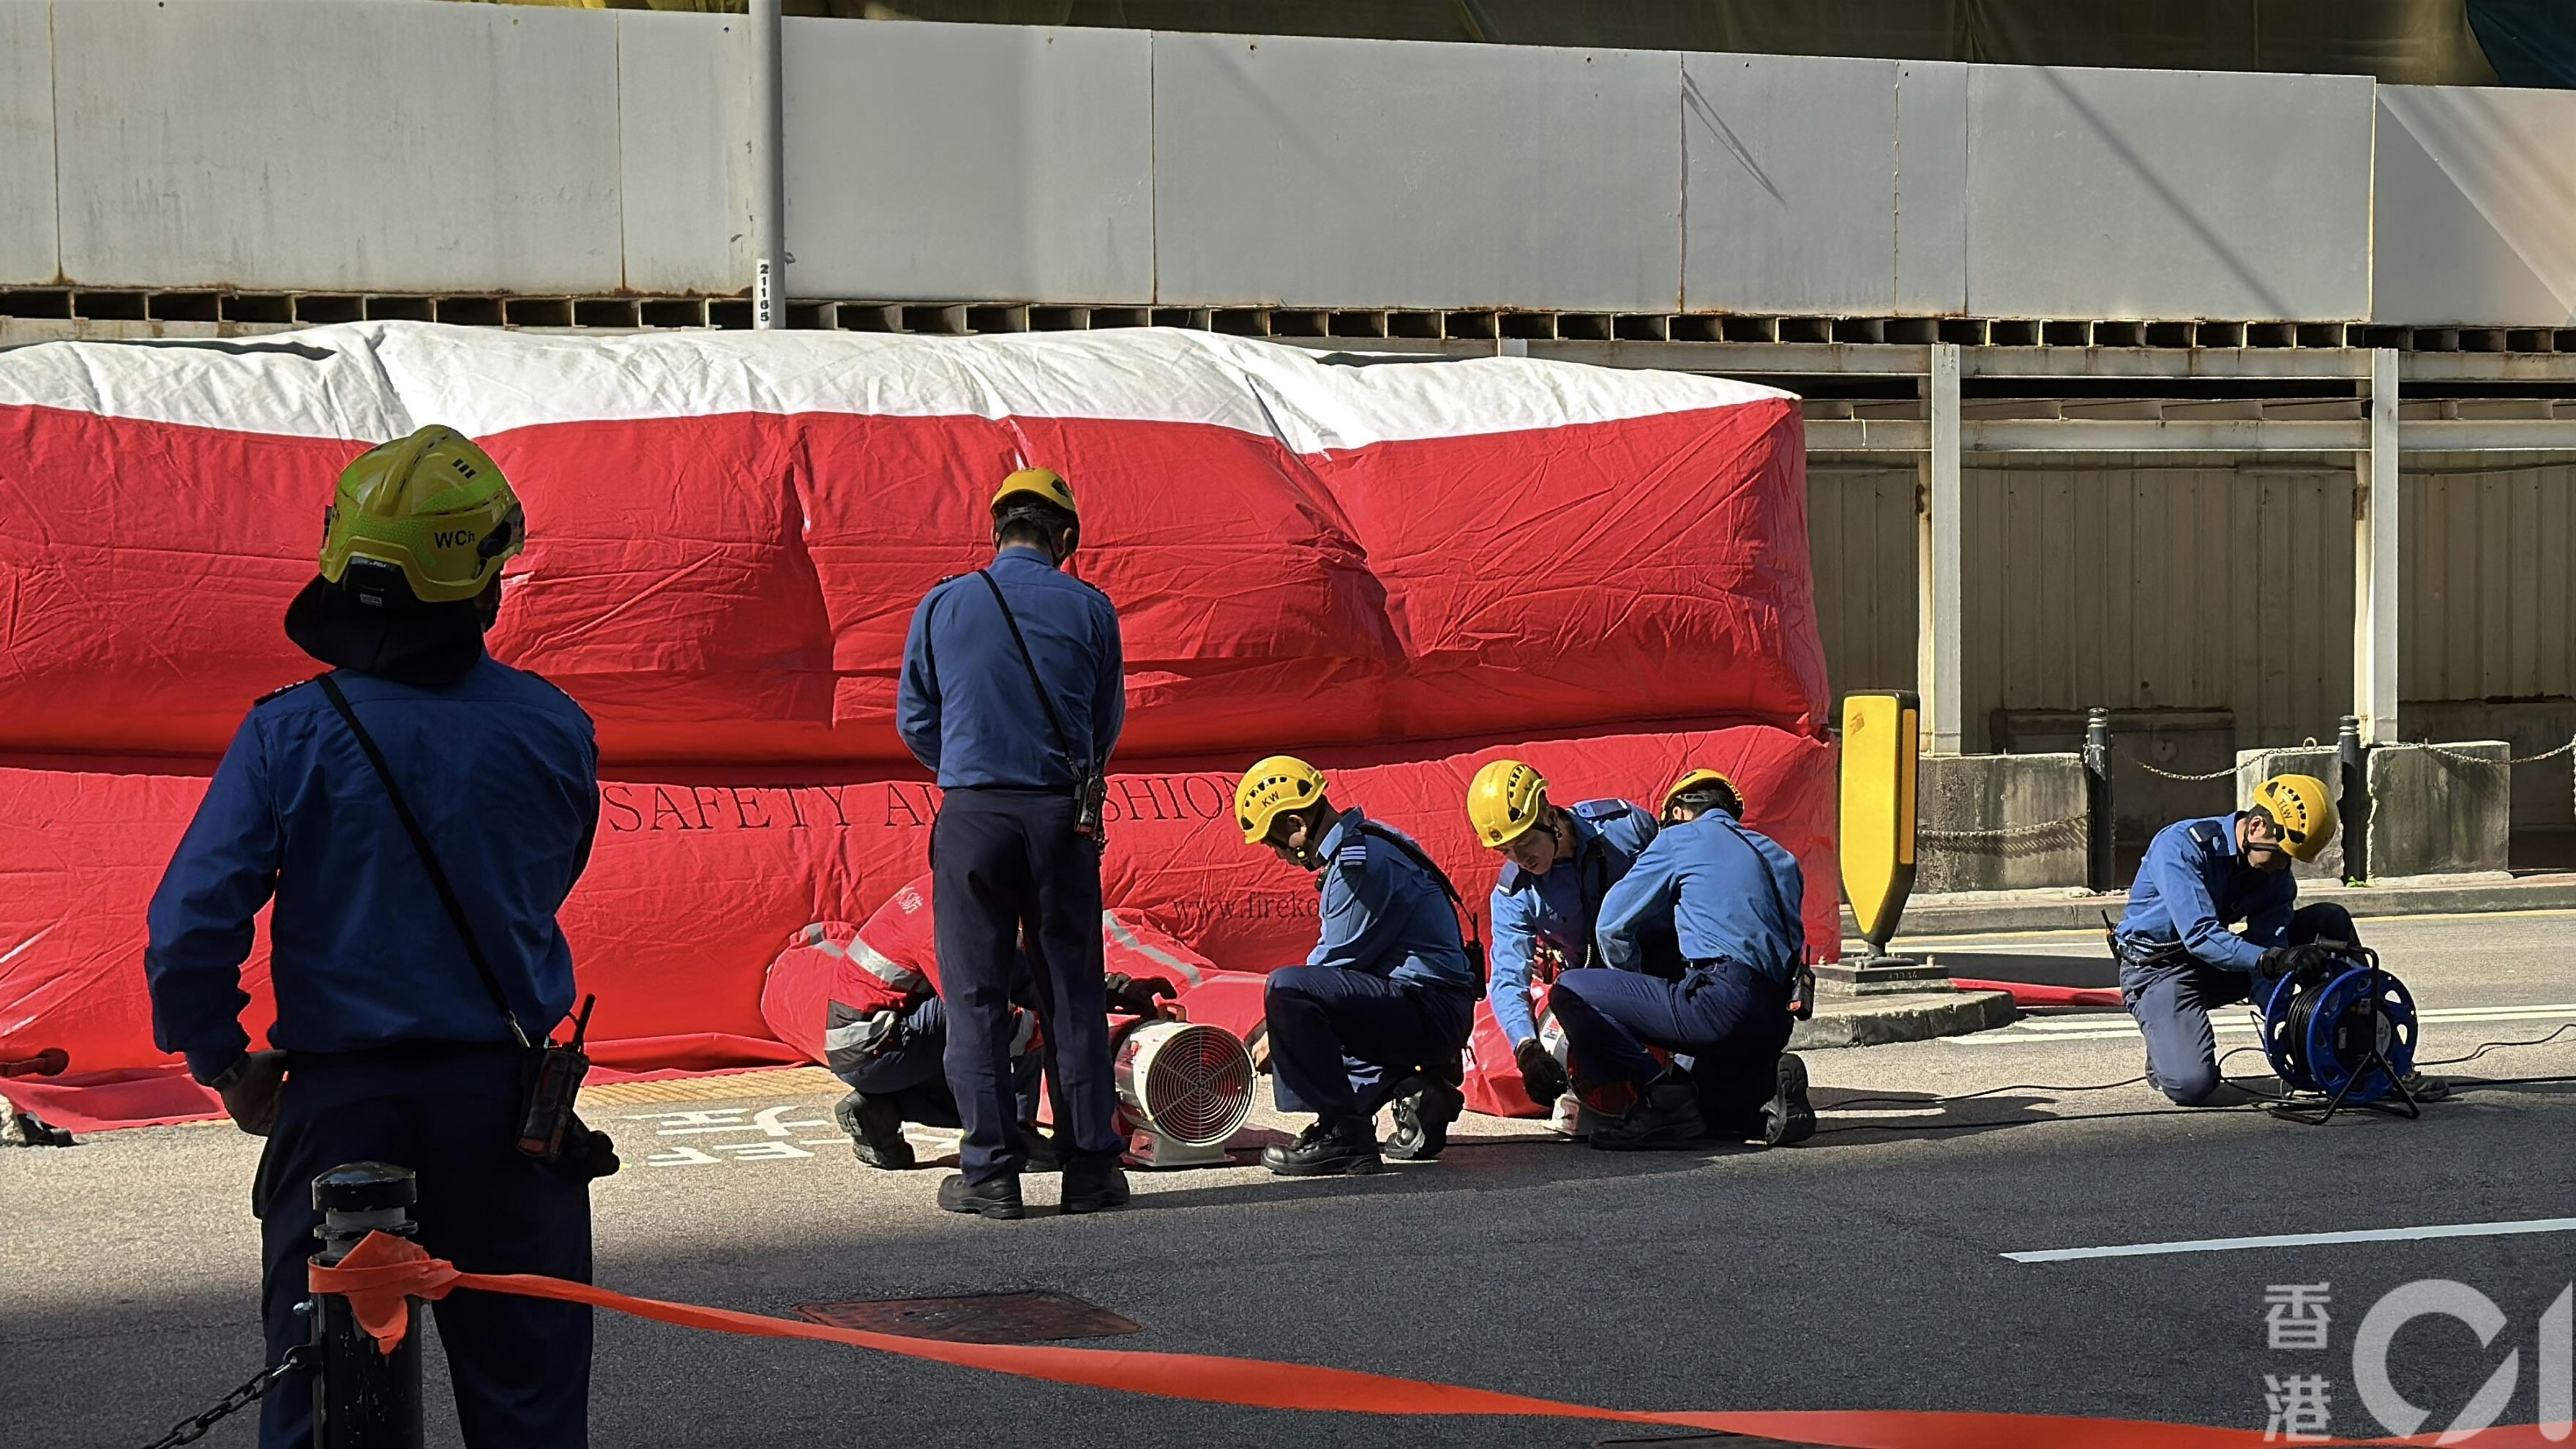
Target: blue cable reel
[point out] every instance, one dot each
(2347, 1035)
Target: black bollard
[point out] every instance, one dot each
(2100, 870)
(363, 1399)
(2353, 800)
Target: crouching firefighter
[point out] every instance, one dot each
(1559, 862)
(1380, 1012)
(885, 1030)
(1732, 896)
(2177, 952)
(418, 814)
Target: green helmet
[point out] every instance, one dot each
(433, 506)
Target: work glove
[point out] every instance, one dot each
(1135, 996)
(2307, 965)
(1541, 1073)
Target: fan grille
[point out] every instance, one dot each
(1198, 1088)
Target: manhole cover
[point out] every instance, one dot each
(976, 1317)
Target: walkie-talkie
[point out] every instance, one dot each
(560, 1068)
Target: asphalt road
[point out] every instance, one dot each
(1863, 1270)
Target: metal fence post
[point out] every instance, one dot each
(2099, 867)
(363, 1399)
(2353, 803)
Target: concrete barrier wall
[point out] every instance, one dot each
(1999, 822)
(2434, 810)
(533, 150)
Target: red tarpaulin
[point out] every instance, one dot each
(1391, 568)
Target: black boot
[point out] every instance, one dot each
(1789, 1117)
(1424, 1108)
(1666, 1116)
(875, 1125)
(1092, 1183)
(1043, 1156)
(1328, 1149)
(999, 1198)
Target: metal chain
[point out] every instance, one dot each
(2006, 837)
(2169, 774)
(2431, 749)
(189, 1431)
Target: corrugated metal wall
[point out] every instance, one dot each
(2126, 581)
(2487, 600)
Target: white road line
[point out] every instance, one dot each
(2301, 1240)
(2107, 1028)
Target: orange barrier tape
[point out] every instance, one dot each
(382, 1271)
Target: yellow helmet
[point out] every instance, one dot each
(1281, 782)
(2300, 805)
(432, 505)
(1037, 485)
(1504, 800)
(1695, 780)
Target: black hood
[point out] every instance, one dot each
(414, 643)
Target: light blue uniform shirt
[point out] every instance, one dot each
(1727, 891)
(964, 705)
(1558, 910)
(2194, 883)
(1384, 915)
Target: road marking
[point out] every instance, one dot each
(1918, 945)
(2110, 1028)
(2302, 1240)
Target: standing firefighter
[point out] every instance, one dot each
(1559, 863)
(395, 1011)
(2178, 956)
(1013, 692)
(1732, 896)
(1380, 1012)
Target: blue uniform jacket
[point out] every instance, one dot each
(1384, 915)
(964, 705)
(1728, 891)
(2194, 883)
(1557, 909)
(501, 771)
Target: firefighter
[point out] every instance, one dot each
(1559, 861)
(393, 1038)
(1389, 993)
(2178, 956)
(1732, 896)
(1012, 691)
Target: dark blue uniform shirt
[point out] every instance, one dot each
(965, 706)
(1385, 915)
(501, 771)
(1556, 909)
(1728, 891)
(2194, 884)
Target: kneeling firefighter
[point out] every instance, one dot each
(886, 1030)
(1732, 896)
(1380, 1011)
(419, 815)
(1559, 862)
(2177, 952)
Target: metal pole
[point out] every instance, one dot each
(1938, 669)
(2353, 803)
(363, 1399)
(768, 166)
(2375, 565)
(2099, 868)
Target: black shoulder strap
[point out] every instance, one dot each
(428, 858)
(1475, 939)
(1063, 741)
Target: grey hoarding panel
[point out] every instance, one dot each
(26, 143)
(684, 134)
(318, 145)
(2101, 193)
(1789, 190)
(2477, 207)
(1932, 187)
(969, 162)
(1309, 172)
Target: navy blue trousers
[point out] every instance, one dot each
(2172, 1000)
(1007, 868)
(912, 1071)
(1731, 1019)
(1341, 1040)
(520, 1367)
